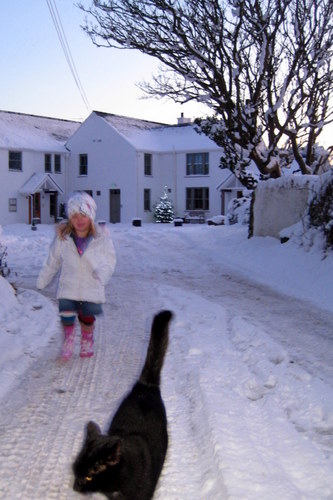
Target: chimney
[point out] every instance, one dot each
(182, 120)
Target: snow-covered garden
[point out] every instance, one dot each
(248, 379)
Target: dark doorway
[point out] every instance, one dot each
(114, 205)
(34, 207)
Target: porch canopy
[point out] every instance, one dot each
(38, 182)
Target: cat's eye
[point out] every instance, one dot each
(88, 478)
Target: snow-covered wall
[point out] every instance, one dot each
(280, 203)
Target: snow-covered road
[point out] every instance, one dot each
(248, 380)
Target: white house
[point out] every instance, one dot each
(230, 188)
(33, 164)
(124, 163)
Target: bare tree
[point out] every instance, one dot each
(264, 68)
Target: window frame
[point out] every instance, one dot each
(147, 200)
(197, 163)
(148, 164)
(48, 163)
(15, 161)
(83, 164)
(197, 198)
(57, 164)
(12, 204)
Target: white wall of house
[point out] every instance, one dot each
(229, 188)
(209, 181)
(9, 186)
(151, 182)
(112, 164)
(33, 137)
(115, 163)
(115, 147)
(12, 181)
(169, 169)
(45, 216)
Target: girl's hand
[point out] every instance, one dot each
(96, 274)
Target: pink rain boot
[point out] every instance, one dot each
(68, 345)
(87, 341)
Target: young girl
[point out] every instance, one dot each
(85, 257)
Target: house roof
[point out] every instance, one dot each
(40, 182)
(230, 182)
(31, 132)
(158, 137)
(124, 123)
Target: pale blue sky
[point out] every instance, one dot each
(35, 76)
(36, 79)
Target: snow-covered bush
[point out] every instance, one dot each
(4, 269)
(239, 210)
(322, 160)
(320, 212)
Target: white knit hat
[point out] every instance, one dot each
(81, 203)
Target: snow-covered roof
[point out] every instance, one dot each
(230, 181)
(38, 182)
(158, 137)
(37, 133)
(124, 123)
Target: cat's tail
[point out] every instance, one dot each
(158, 344)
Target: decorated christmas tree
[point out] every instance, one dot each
(163, 210)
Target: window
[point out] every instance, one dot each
(15, 160)
(197, 198)
(148, 163)
(197, 164)
(146, 200)
(83, 169)
(12, 205)
(48, 163)
(57, 164)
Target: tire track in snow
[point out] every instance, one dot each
(191, 449)
(42, 422)
(44, 418)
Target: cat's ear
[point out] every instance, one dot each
(114, 454)
(92, 430)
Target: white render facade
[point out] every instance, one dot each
(130, 162)
(124, 163)
(33, 166)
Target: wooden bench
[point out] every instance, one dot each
(195, 217)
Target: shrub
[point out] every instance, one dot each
(239, 211)
(4, 269)
(321, 210)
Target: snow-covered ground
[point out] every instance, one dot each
(247, 382)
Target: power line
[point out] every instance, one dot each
(66, 50)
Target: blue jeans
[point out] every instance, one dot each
(86, 311)
(84, 308)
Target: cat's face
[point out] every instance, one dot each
(95, 468)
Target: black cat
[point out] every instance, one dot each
(127, 462)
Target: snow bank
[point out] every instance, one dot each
(287, 196)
